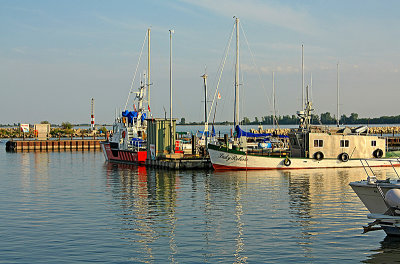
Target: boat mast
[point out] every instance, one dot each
(273, 99)
(236, 110)
(171, 150)
(302, 77)
(148, 68)
(204, 76)
(337, 88)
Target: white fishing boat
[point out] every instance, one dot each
(382, 199)
(310, 146)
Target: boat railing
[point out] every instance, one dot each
(371, 176)
(138, 145)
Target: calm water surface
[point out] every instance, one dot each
(72, 207)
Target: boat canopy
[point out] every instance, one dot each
(207, 133)
(241, 133)
(131, 115)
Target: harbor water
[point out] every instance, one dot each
(73, 207)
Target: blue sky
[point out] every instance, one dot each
(56, 55)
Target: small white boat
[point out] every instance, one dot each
(382, 199)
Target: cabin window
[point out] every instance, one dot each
(344, 143)
(373, 143)
(318, 143)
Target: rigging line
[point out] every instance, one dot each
(220, 74)
(137, 66)
(254, 62)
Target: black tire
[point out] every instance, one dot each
(287, 162)
(344, 157)
(378, 153)
(318, 155)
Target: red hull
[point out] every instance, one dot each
(124, 156)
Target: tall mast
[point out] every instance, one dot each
(148, 68)
(302, 77)
(171, 31)
(273, 99)
(204, 76)
(236, 111)
(337, 88)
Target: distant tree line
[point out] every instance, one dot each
(324, 118)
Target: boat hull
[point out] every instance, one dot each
(370, 196)
(374, 202)
(123, 156)
(223, 159)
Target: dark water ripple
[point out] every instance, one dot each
(72, 207)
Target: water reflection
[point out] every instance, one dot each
(234, 214)
(34, 171)
(389, 252)
(148, 201)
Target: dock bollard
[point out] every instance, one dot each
(226, 141)
(194, 144)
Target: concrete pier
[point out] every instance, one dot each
(53, 145)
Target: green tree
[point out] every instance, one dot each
(353, 118)
(246, 121)
(103, 130)
(44, 122)
(66, 125)
(183, 121)
(326, 118)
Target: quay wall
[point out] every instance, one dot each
(53, 145)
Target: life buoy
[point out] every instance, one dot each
(123, 134)
(378, 153)
(287, 162)
(318, 155)
(344, 157)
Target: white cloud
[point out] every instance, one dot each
(269, 69)
(279, 15)
(20, 50)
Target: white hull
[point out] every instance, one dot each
(224, 160)
(374, 202)
(370, 196)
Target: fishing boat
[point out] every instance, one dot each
(309, 146)
(127, 142)
(382, 199)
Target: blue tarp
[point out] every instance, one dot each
(207, 133)
(241, 133)
(130, 115)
